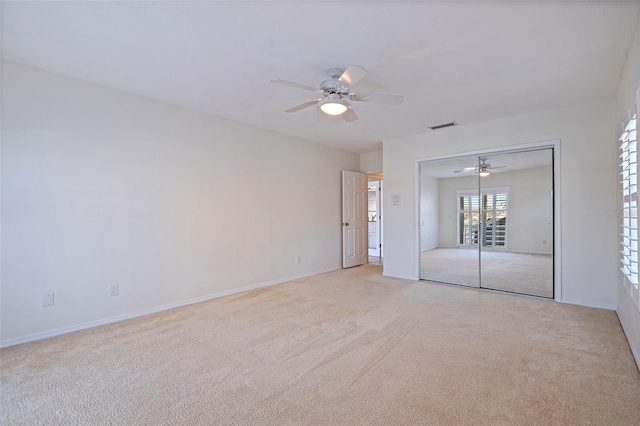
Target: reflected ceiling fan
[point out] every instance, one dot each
(335, 94)
(483, 169)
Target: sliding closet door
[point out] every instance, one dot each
(450, 221)
(516, 222)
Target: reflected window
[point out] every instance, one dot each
(483, 218)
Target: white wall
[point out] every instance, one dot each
(588, 175)
(529, 208)
(429, 213)
(100, 187)
(371, 162)
(629, 84)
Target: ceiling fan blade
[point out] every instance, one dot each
(349, 115)
(298, 85)
(352, 75)
(378, 98)
(302, 106)
(496, 167)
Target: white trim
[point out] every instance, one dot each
(636, 354)
(372, 172)
(629, 219)
(557, 197)
(402, 277)
(553, 143)
(416, 216)
(557, 223)
(607, 306)
(631, 289)
(110, 320)
(635, 290)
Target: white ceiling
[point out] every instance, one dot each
(452, 61)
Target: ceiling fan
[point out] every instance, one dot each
(482, 169)
(335, 94)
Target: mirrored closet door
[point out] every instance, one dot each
(487, 221)
(516, 216)
(449, 217)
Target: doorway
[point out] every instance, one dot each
(487, 221)
(375, 220)
(375, 236)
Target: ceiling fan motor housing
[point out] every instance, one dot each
(334, 86)
(335, 73)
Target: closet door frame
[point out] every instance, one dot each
(557, 197)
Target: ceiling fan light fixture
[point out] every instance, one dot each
(484, 173)
(334, 105)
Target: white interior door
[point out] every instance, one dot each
(354, 219)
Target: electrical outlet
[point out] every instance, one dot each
(544, 241)
(47, 300)
(115, 289)
(298, 259)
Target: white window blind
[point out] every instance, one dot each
(483, 218)
(468, 218)
(629, 173)
(494, 218)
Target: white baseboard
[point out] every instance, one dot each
(110, 320)
(636, 355)
(632, 347)
(607, 306)
(402, 277)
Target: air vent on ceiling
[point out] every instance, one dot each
(442, 126)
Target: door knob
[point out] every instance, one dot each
(346, 224)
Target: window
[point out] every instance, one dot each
(468, 218)
(483, 218)
(629, 213)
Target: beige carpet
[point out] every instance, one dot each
(344, 348)
(516, 272)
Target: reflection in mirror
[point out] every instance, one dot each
(516, 213)
(447, 255)
(487, 221)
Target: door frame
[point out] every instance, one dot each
(557, 197)
(378, 216)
